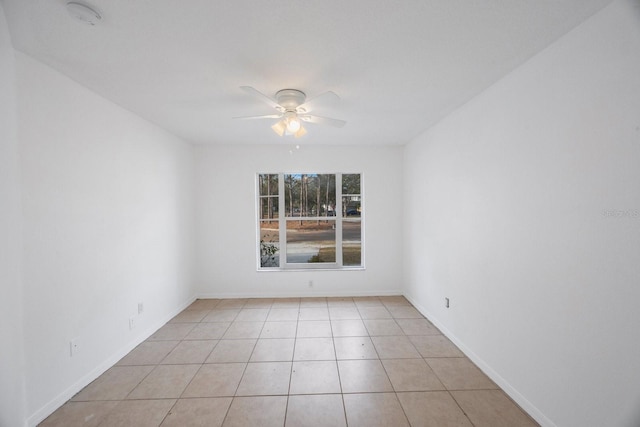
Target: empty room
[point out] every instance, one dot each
(304, 213)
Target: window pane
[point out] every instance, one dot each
(310, 195)
(351, 206)
(268, 184)
(352, 242)
(269, 207)
(351, 199)
(351, 183)
(269, 244)
(311, 241)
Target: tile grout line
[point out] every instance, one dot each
(395, 392)
(335, 352)
(235, 392)
(159, 363)
(201, 365)
(295, 342)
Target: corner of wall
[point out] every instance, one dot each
(12, 385)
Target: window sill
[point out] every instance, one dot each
(307, 270)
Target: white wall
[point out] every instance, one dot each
(12, 395)
(523, 207)
(108, 223)
(226, 221)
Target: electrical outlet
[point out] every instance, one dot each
(132, 323)
(446, 302)
(311, 283)
(74, 347)
(140, 308)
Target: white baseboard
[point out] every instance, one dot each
(227, 295)
(527, 406)
(62, 398)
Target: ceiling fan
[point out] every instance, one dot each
(292, 109)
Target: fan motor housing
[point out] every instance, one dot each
(290, 99)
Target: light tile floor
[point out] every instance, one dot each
(294, 362)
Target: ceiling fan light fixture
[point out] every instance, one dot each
(293, 124)
(280, 127)
(293, 108)
(301, 132)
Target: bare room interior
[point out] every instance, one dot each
(287, 213)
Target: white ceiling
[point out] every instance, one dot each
(398, 65)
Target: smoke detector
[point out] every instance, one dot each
(83, 13)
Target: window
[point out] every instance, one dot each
(310, 221)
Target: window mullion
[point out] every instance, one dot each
(339, 219)
(259, 213)
(282, 232)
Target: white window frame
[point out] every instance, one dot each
(282, 219)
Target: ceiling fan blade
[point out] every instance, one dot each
(323, 97)
(256, 93)
(322, 120)
(268, 116)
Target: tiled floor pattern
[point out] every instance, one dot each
(362, 361)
